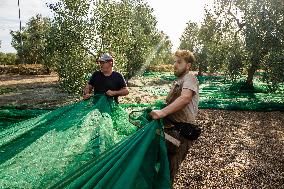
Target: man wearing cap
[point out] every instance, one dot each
(106, 81)
(181, 110)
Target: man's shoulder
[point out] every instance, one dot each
(95, 76)
(190, 78)
(189, 75)
(116, 74)
(96, 73)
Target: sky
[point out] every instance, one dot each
(172, 16)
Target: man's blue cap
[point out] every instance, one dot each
(105, 57)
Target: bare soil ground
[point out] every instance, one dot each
(32, 91)
(237, 149)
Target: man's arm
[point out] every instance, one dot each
(88, 89)
(122, 92)
(178, 104)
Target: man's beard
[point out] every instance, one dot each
(179, 73)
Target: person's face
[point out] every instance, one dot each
(105, 66)
(180, 66)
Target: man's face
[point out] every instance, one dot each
(180, 66)
(105, 66)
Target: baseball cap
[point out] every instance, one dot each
(105, 57)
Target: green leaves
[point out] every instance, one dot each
(240, 36)
(82, 29)
(8, 58)
(31, 42)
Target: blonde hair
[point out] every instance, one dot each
(186, 55)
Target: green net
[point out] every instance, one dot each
(10, 115)
(89, 144)
(218, 92)
(93, 141)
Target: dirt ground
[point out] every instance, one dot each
(237, 149)
(33, 91)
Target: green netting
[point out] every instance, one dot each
(217, 92)
(89, 144)
(93, 144)
(10, 115)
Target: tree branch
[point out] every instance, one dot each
(240, 25)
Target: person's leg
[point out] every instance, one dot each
(172, 151)
(176, 154)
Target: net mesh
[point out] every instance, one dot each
(219, 92)
(88, 144)
(10, 115)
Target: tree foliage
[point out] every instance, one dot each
(162, 52)
(30, 43)
(82, 30)
(8, 58)
(240, 36)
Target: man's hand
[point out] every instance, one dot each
(86, 96)
(110, 93)
(87, 91)
(157, 114)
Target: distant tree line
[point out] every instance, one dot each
(8, 58)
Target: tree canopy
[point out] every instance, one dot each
(30, 43)
(82, 30)
(240, 37)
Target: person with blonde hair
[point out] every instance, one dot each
(181, 108)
